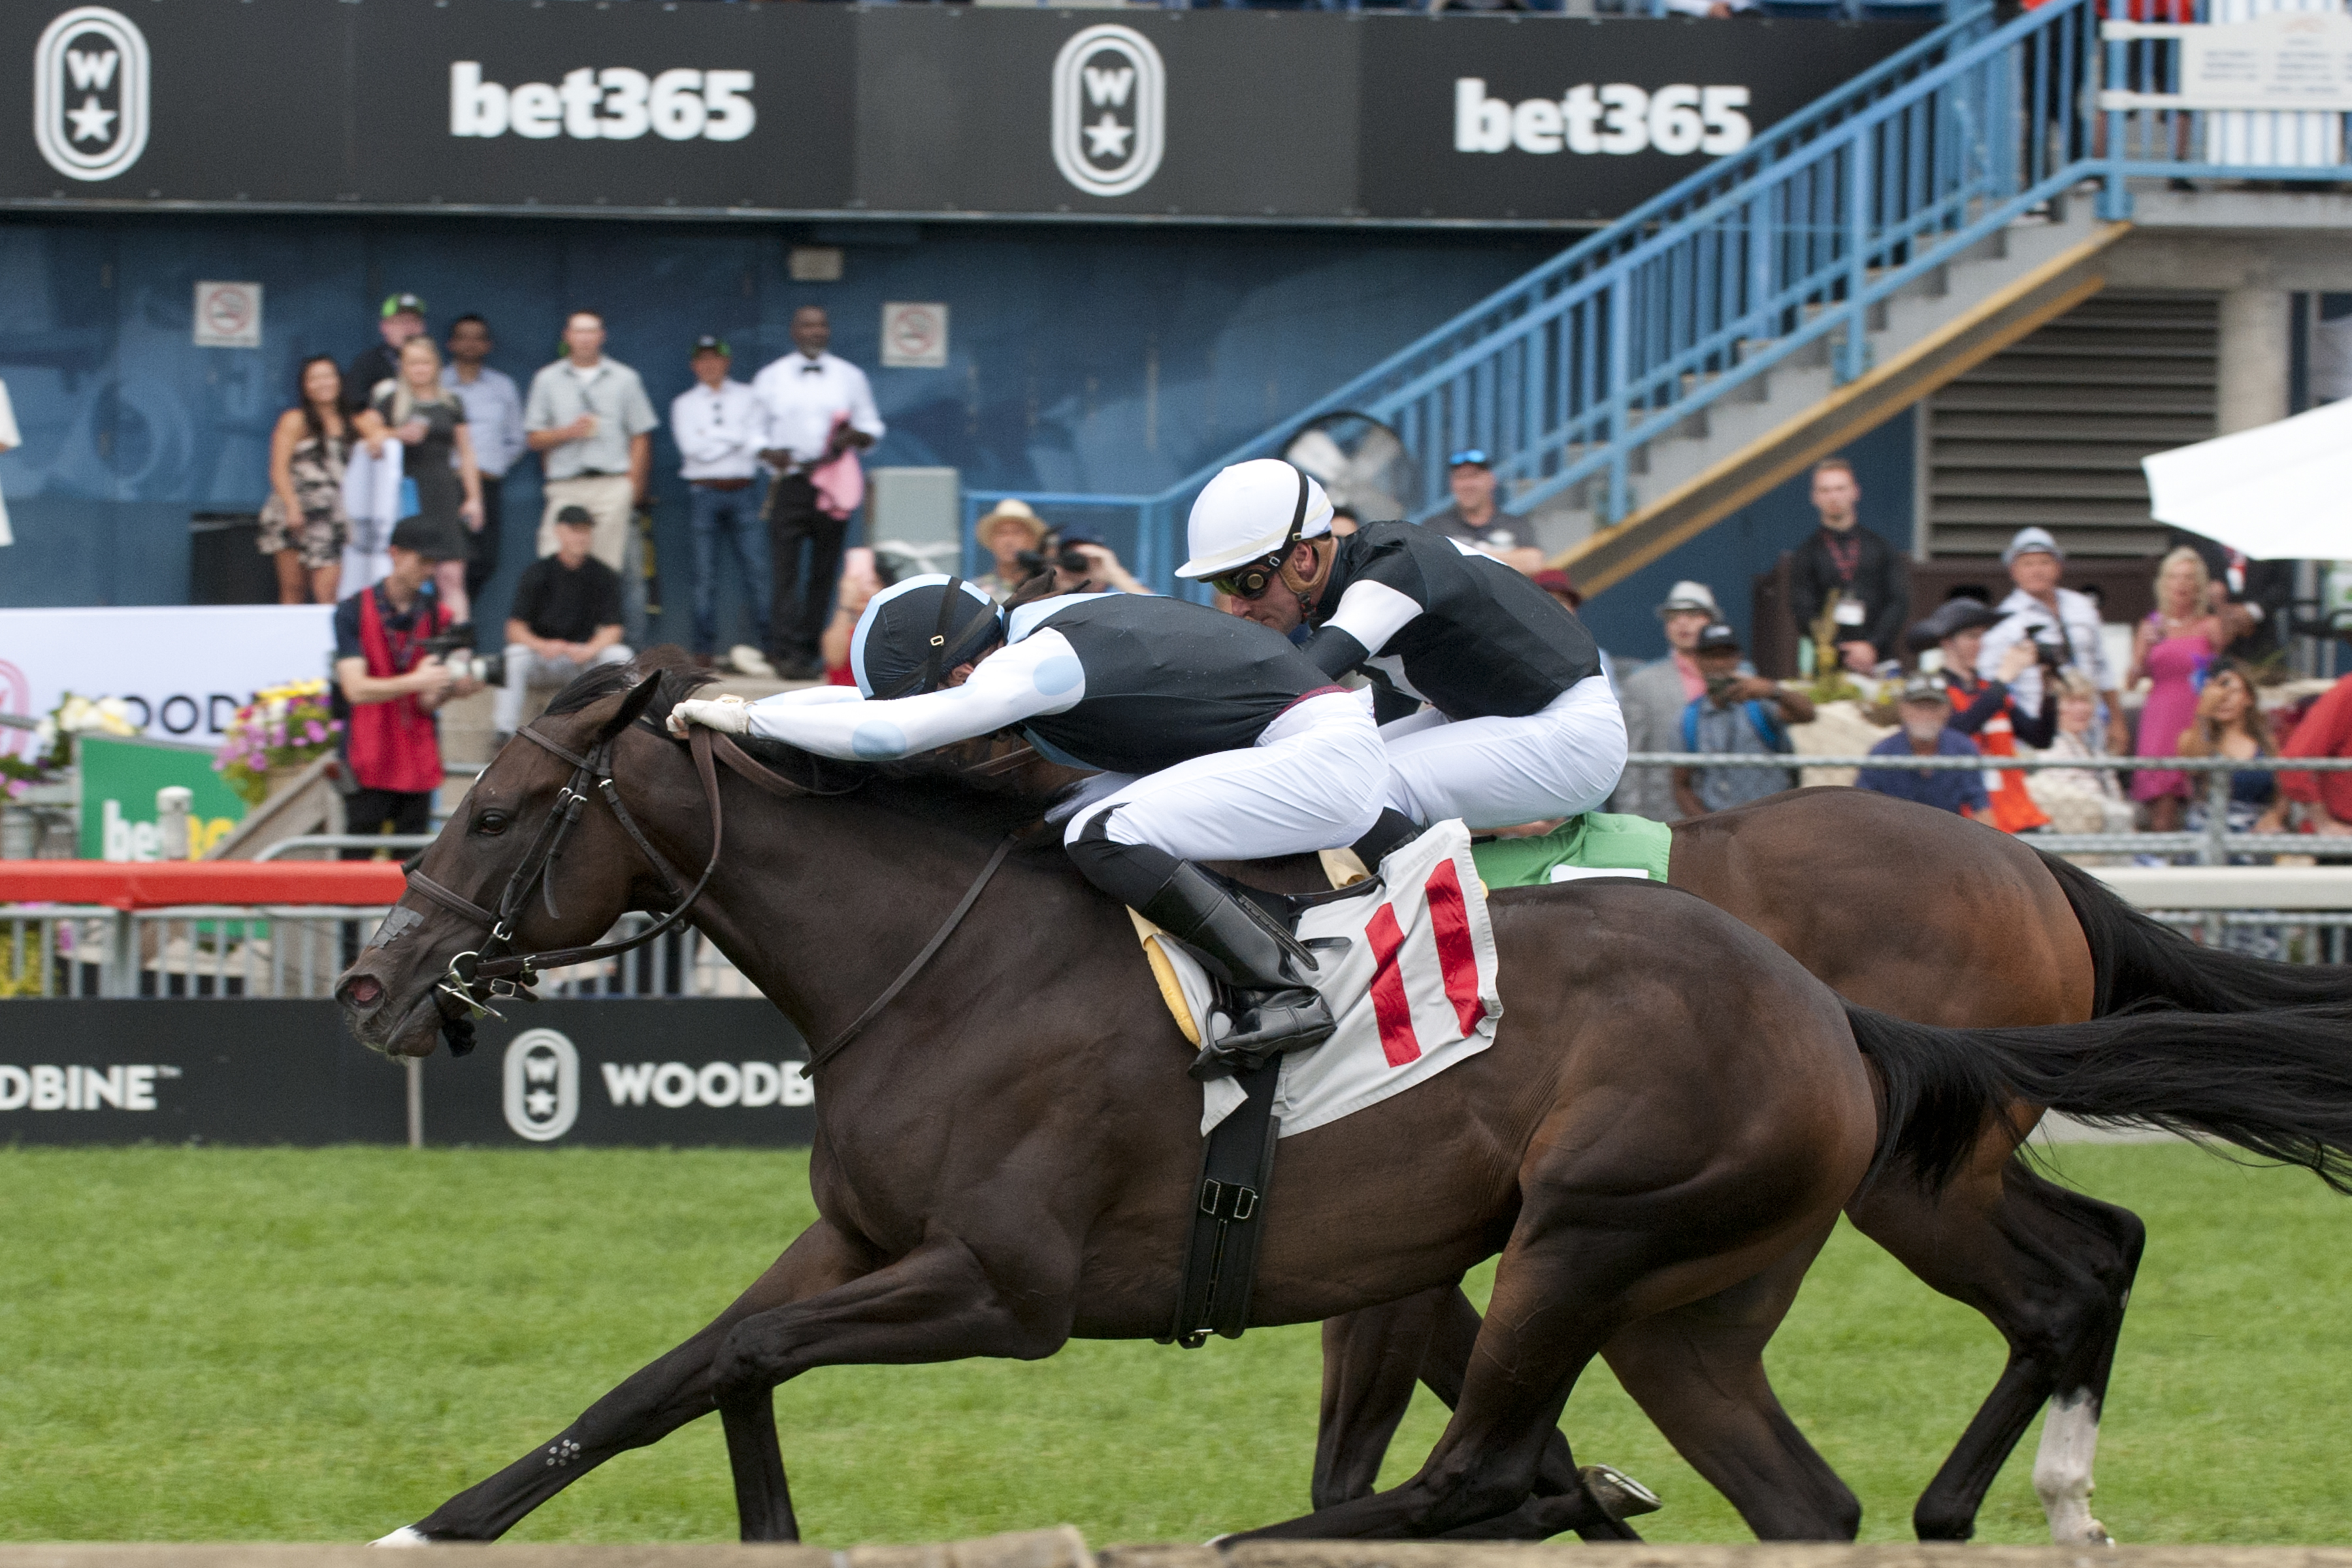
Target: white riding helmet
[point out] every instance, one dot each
(1251, 512)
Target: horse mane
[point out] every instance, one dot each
(670, 663)
(936, 788)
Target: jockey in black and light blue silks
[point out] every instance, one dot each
(1218, 740)
(1520, 724)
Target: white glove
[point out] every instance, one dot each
(730, 715)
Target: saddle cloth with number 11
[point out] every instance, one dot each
(1413, 992)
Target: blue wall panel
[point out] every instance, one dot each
(1082, 358)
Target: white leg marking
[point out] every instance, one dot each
(406, 1535)
(2062, 1470)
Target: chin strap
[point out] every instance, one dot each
(1307, 587)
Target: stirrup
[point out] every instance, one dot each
(1265, 1024)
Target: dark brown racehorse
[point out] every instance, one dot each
(1005, 1158)
(1933, 919)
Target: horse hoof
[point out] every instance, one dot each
(1618, 1494)
(406, 1535)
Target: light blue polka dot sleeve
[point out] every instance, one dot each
(1039, 674)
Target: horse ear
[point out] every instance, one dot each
(633, 706)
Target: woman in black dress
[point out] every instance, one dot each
(429, 422)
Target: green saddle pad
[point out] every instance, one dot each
(1598, 840)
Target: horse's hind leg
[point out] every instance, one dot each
(654, 1401)
(1371, 1360)
(1698, 1372)
(2053, 1269)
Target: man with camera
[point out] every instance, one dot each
(1740, 713)
(566, 618)
(391, 674)
(2041, 611)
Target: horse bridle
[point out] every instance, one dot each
(495, 973)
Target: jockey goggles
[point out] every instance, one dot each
(1251, 578)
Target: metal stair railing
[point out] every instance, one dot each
(1783, 249)
(1157, 546)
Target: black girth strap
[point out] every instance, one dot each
(1212, 1295)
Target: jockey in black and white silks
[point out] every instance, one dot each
(1217, 739)
(1521, 724)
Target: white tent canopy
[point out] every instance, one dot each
(2277, 492)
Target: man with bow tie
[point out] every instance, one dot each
(818, 407)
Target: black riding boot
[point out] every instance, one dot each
(1267, 977)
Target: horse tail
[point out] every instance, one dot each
(2136, 959)
(2277, 1084)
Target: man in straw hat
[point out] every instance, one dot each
(1004, 534)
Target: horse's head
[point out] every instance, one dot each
(537, 842)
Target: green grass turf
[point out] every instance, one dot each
(217, 1343)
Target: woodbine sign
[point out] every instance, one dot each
(615, 1071)
(925, 111)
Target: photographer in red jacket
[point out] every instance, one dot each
(393, 680)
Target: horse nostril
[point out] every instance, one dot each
(364, 991)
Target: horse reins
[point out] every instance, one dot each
(494, 971)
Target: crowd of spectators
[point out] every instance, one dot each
(774, 481)
(2027, 677)
(772, 472)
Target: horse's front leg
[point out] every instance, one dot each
(938, 1303)
(652, 1402)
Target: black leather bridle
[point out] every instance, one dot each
(495, 972)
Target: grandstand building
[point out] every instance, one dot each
(1656, 264)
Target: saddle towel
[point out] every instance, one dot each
(1414, 992)
(1596, 844)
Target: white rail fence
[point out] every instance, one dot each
(220, 952)
(228, 952)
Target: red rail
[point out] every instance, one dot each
(158, 884)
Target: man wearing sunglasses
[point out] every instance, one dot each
(1520, 724)
(1473, 518)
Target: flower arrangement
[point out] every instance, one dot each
(283, 726)
(52, 751)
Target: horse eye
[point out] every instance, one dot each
(491, 822)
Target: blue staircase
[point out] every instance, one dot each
(1770, 257)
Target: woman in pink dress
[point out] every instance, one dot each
(2173, 647)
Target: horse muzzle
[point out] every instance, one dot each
(377, 1018)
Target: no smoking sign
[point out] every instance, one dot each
(228, 315)
(915, 337)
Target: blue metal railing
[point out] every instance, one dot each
(1781, 248)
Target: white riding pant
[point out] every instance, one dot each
(1496, 772)
(1313, 781)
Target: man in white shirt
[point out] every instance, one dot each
(817, 406)
(2059, 617)
(494, 414)
(720, 428)
(589, 419)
